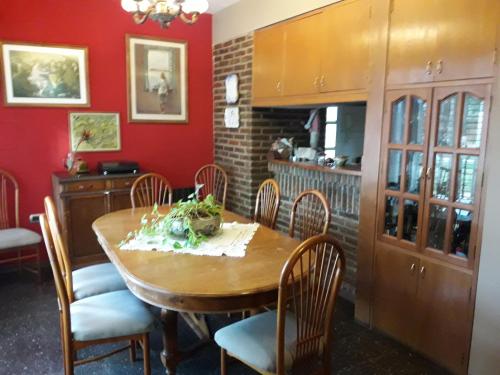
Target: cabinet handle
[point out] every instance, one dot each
(316, 81)
(107, 192)
(322, 81)
(127, 183)
(428, 68)
(278, 86)
(82, 187)
(412, 268)
(439, 66)
(422, 271)
(428, 174)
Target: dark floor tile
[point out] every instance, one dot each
(29, 326)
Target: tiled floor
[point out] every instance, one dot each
(29, 343)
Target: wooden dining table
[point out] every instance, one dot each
(192, 284)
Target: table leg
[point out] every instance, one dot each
(169, 355)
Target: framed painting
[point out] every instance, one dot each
(94, 131)
(157, 80)
(38, 75)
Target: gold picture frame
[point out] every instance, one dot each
(102, 130)
(44, 75)
(157, 80)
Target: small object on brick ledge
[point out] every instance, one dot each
(281, 149)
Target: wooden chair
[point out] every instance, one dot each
(267, 203)
(107, 318)
(297, 337)
(24, 243)
(87, 281)
(149, 189)
(214, 181)
(310, 215)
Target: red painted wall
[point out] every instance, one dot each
(34, 141)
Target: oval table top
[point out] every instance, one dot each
(185, 282)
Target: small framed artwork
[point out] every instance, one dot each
(94, 131)
(42, 76)
(232, 117)
(157, 80)
(232, 94)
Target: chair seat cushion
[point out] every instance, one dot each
(109, 315)
(18, 237)
(253, 340)
(98, 279)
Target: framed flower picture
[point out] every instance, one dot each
(157, 80)
(39, 75)
(94, 131)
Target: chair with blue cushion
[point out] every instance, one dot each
(105, 318)
(16, 244)
(87, 281)
(296, 338)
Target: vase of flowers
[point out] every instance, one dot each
(74, 163)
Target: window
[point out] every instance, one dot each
(331, 131)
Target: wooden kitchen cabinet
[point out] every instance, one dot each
(395, 287)
(424, 304)
(268, 58)
(444, 314)
(441, 40)
(302, 62)
(82, 199)
(345, 46)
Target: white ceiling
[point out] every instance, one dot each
(217, 5)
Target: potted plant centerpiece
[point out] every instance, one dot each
(193, 219)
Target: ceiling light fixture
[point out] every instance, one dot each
(165, 11)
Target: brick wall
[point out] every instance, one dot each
(242, 152)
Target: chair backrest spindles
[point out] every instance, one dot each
(310, 215)
(214, 181)
(309, 285)
(267, 203)
(149, 189)
(8, 187)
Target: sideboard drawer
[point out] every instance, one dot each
(94, 185)
(122, 183)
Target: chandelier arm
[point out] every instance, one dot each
(141, 17)
(189, 20)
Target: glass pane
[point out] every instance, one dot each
(442, 173)
(414, 171)
(394, 170)
(447, 116)
(410, 220)
(417, 118)
(398, 121)
(472, 122)
(466, 178)
(461, 232)
(437, 226)
(391, 216)
(332, 114)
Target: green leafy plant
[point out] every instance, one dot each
(180, 220)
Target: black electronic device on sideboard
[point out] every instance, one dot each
(118, 167)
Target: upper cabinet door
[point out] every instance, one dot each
(466, 39)
(345, 59)
(412, 41)
(268, 62)
(302, 57)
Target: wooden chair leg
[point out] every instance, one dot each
(68, 358)
(132, 351)
(223, 368)
(145, 353)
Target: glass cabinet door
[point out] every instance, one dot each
(403, 168)
(456, 150)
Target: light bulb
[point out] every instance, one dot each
(131, 5)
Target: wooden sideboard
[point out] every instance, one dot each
(80, 200)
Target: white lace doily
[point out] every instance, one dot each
(232, 241)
